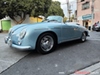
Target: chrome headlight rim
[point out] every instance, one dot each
(22, 34)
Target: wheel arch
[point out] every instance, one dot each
(51, 32)
(86, 33)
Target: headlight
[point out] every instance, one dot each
(22, 34)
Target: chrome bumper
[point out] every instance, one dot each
(21, 47)
(9, 42)
(6, 39)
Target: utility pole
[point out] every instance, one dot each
(68, 9)
(92, 13)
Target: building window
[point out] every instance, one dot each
(82, 0)
(85, 5)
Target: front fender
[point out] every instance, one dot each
(33, 35)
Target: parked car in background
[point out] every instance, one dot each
(93, 28)
(97, 27)
(45, 36)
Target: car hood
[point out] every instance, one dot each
(22, 26)
(34, 26)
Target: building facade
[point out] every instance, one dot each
(85, 8)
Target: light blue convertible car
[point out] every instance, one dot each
(45, 36)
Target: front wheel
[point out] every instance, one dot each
(46, 43)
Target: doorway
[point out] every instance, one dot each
(86, 23)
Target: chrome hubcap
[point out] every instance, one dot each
(47, 43)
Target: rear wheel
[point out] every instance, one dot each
(83, 37)
(46, 43)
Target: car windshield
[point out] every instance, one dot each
(54, 19)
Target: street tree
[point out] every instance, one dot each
(2, 12)
(55, 9)
(21, 8)
(40, 7)
(72, 17)
(65, 19)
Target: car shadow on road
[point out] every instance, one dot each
(69, 44)
(59, 46)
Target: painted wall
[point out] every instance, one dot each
(35, 19)
(27, 20)
(0, 24)
(81, 12)
(6, 25)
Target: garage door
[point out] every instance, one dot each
(6, 25)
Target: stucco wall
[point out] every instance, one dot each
(81, 12)
(27, 20)
(0, 24)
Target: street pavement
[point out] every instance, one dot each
(92, 70)
(71, 58)
(8, 56)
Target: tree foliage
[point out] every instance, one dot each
(41, 7)
(20, 8)
(65, 19)
(55, 9)
(72, 17)
(2, 10)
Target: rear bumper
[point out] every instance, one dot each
(9, 42)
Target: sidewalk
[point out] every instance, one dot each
(8, 56)
(92, 70)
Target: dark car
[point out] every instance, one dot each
(97, 27)
(93, 28)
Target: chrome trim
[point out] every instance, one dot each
(21, 47)
(6, 39)
(47, 43)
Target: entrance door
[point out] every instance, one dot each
(85, 23)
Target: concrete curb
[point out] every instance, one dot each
(92, 70)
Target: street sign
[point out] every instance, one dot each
(87, 17)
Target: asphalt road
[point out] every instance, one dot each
(68, 58)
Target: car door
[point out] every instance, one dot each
(67, 32)
(77, 32)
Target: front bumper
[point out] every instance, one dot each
(9, 42)
(21, 47)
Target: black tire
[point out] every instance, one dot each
(46, 43)
(83, 37)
